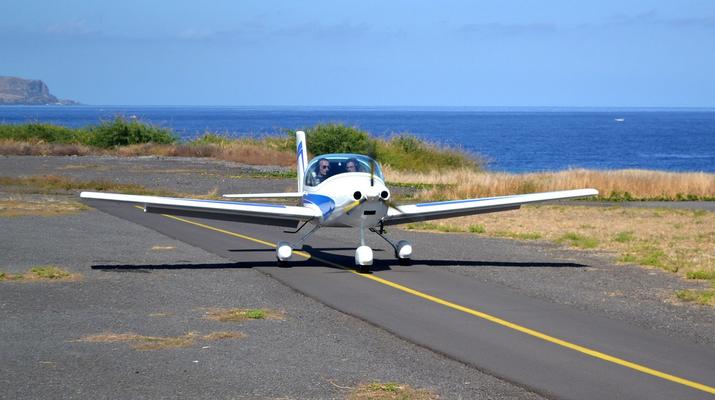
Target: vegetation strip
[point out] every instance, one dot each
(44, 207)
(132, 137)
(44, 272)
(243, 314)
(479, 314)
(390, 391)
(438, 172)
(141, 342)
(675, 240)
(52, 184)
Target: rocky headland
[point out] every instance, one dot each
(19, 91)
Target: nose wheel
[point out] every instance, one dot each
(363, 258)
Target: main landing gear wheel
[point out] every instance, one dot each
(363, 259)
(283, 253)
(403, 252)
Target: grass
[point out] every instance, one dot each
(518, 235)
(703, 297)
(578, 240)
(678, 241)
(52, 184)
(243, 314)
(464, 183)
(437, 227)
(50, 272)
(42, 272)
(476, 228)
(389, 391)
(106, 134)
(141, 342)
(624, 237)
(698, 274)
(19, 206)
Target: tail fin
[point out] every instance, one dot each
(302, 155)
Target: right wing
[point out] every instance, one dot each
(458, 208)
(256, 213)
(288, 195)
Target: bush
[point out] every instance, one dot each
(47, 133)
(118, 132)
(211, 138)
(407, 152)
(337, 138)
(121, 132)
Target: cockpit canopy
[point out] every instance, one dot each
(317, 172)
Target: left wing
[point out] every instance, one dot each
(458, 208)
(256, 213)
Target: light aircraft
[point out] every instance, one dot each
(334, 190)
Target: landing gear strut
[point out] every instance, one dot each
(403, 248)
(284, 250)
(363, 254)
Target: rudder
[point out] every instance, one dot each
(302, 158)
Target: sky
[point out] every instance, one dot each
(602, 53)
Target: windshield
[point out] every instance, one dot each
(327, 165)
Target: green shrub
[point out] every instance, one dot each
(406, 152)
(48, 133)
(337, 138)
(121, 132)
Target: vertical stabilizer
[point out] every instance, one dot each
(302, 155)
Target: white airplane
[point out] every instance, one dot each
(334, 190)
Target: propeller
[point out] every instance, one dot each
(372, 153)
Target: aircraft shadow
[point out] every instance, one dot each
(347, 262)
(305, 248)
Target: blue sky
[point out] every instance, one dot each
(373, 53)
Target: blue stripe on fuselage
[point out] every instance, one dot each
(325, 203)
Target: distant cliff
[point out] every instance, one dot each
(20, 91)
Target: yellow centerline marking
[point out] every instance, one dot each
(479, 314)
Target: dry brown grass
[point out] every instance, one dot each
(47, 206)
(243, 314)
(236, 151)
(12, 147)
(245, 152)
(390, 391)
(680, 241)
(41, 273)
(141, 342)
(638, 184)
(52, 184)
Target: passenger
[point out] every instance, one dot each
(352, 166)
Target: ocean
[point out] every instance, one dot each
(510, 139)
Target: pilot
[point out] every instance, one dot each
(323, 170)
(351, 165)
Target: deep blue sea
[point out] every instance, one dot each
(511, 139)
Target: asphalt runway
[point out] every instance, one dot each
(554, 350)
